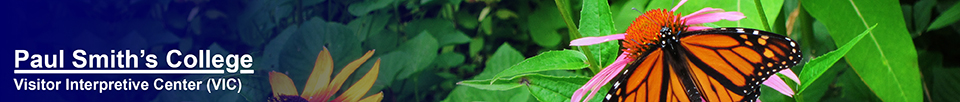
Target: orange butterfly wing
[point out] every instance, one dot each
(651, 79)
(729, 64)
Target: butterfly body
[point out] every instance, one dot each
(720, 64)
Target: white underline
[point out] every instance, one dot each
(199, 71)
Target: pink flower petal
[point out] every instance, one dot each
(678, 5)
(595, 40)
(777, 84)
(696, 28)
(704, 10)
(601, 78)
(713, 17)
(789, 73)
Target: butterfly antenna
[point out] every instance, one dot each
(635, 9)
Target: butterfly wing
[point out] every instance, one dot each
(652, 79)
(729, 64)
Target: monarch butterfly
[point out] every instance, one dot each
(718, 64)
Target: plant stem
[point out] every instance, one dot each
(763, 16)
(564, 7)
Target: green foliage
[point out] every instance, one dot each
(515, 50)
(817, 66)
(443, 30)
(501, 60)
(424, 47)
(941, 84)
(368, 25)
(886, 67)
(300, 53)
(555, 89)
(365, 7)
(951, 16)
(922, 11)
(544, 24)
(596, 21)
(553, 60)
(475, 46)
(449, 59)
(747, 7)
(624, 13)
(543, 87)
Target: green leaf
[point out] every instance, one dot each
(596, 20)
(625, 15)
(505, 14)
(467, 20)
(503, 58)
(559, 89)
(386, 41)
(946, 18)
(367, 25)
(422, 49)
(470, 94)
(544, 24)
(522, 97)
(852, 87)
(943, 84)
(475, 46)
(747, 7)
(552, 60)
(449, 59)
(300, 53)
(487, 26)
(444, 30)
(270, 59)
(816, 67)
(941, 81)
(454, 38)
(492, 84)
(888, 64)
(431, 25)
(365, 7)
(545, 88)
(558, 73)
(822, 88)
(391, 65)
(921, 13)
(908, 18)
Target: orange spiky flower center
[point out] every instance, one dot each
(645, 31)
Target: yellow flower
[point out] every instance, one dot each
(320, 87)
